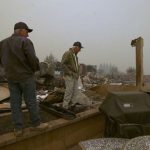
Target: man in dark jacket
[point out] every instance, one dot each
(17, 56)
(71, 74)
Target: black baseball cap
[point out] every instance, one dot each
(78, 44)
(22, 25)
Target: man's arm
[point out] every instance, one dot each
(30, 55)
(68, 69)
(65, 63)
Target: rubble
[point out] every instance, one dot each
(104, 144)
(4, 92)
(137, 143)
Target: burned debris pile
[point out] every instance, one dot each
(50, 92)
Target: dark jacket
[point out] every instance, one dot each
(17, 56)
(69, 65)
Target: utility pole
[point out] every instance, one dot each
(138, 44)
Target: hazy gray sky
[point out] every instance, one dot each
(105, 28)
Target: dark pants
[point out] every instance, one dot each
(26, 89)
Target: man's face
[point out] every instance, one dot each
(24, 33)
(77, 49)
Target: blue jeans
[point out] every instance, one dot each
(26, 89)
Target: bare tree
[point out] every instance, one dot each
(51, 61)
(131, 70)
